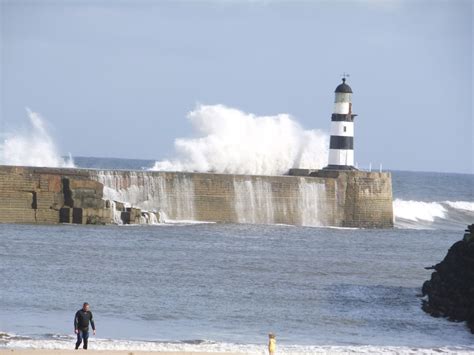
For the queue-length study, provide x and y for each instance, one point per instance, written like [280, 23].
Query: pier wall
[312, 198]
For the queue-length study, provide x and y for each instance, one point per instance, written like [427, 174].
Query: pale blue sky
[117, 78]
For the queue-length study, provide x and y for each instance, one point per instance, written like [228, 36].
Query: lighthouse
[341, 144]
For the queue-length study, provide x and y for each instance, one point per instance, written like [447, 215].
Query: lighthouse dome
[343, 88]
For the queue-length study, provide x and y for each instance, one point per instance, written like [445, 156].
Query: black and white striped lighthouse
[341, 145]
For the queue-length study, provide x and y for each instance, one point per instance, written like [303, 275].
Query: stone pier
[305, 197]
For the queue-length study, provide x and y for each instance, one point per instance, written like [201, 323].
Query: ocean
[224, 287]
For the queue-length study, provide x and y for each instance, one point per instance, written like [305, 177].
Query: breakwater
[312, 198]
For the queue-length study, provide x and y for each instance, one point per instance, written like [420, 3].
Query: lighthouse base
[340, 167]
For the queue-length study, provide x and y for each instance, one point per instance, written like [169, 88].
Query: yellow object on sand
[272, 345]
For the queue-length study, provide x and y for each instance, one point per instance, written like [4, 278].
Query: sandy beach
[102, 352]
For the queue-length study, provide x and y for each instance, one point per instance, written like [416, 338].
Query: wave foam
[418, 210]
[64, 342]
[34, 147]
[432, 215]
[228, 140]
[461, 205]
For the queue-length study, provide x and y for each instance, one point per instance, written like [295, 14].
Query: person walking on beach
[81, 325]
[271, 344]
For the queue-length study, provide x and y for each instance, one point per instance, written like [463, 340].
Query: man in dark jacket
[81, 325]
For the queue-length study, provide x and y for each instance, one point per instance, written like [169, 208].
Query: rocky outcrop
[450, 292]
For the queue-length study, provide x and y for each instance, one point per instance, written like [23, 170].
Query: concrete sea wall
[317, 198]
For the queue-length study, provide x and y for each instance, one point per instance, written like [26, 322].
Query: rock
[450, 291]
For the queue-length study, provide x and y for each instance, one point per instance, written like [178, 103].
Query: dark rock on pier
[450, 291]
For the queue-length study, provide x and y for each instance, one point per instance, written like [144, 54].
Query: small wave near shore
[65, 342]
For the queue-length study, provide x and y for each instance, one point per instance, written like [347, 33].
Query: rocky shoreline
[450, 291]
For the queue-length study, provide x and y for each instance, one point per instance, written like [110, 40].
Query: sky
[118, 78]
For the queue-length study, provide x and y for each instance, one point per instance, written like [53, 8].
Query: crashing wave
[432, 215]
[228, 140]
[32, 147]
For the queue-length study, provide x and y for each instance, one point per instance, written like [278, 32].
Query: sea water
[223, 287]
